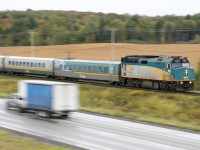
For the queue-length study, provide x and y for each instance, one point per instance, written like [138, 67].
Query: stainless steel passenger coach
[28, 65]
[87, 69]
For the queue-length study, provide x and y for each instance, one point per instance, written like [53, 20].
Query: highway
[99, 132]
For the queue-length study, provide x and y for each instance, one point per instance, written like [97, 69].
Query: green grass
[168, 109]
[177, 110]
[11, 141]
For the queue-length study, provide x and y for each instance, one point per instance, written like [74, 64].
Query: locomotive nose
[186, 72]
[183, 74]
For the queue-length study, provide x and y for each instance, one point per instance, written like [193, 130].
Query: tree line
[70, 27]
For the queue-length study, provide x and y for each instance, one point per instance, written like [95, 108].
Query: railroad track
[100, 83]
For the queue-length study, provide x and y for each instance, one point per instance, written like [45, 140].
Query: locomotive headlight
[190, 82]
[181, 82]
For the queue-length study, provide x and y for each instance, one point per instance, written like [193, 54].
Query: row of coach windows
[26, 64]
[98, 69]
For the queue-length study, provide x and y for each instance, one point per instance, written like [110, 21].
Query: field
[12, 141]
[104, 51]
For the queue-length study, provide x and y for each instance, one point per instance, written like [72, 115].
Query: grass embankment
[169, 109]
[10, 141]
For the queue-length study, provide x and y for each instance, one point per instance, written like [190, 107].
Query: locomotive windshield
[178, 62]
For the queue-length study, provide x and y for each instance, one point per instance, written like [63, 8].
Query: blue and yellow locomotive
[166, 73]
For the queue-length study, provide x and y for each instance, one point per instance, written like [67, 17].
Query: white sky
[141, 7]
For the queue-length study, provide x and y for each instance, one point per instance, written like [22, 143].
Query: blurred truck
[45, 98]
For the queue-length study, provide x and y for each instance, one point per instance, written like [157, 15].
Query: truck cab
[16, 101]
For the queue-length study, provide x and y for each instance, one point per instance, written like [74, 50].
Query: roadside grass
[8, 86]
[175, 109]
[11, 141]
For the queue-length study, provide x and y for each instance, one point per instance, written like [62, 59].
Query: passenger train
[143, 71]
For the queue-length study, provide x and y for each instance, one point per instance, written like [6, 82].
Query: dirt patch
[104, 51]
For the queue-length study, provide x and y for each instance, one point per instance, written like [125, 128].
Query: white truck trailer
[46, 98]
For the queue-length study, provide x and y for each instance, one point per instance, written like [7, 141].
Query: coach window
[39, 65]
[60, 67]
[43, 65]
[31, 65]
[85, 68]
[94, 68]
[13, 63]
[105, 69]
[9, 63]
[65, 67]
[89, 68]
[70, 67]
[16, 63]
[20, 63]
[27, 64]
[100, 69]
[35, 64]
[74, 67]
[80, 68]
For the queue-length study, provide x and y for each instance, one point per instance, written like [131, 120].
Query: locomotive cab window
[176, 65]
[185, 62]
[144, 62]
[168, 66]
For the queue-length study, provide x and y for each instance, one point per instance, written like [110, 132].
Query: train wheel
[123, 81]
[129, 82]
[166, 87]
[172, 87]
[137, 83]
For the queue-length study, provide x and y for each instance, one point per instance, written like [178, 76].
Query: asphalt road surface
[99, 132]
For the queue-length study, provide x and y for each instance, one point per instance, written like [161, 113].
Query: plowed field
[106, 51]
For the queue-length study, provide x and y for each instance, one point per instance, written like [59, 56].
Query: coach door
[110, 73]
[113, 72]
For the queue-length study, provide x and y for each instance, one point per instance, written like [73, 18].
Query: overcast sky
[141, 7]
